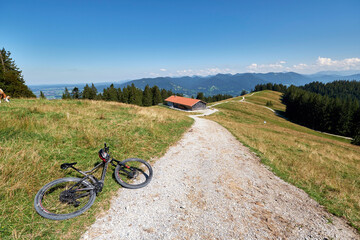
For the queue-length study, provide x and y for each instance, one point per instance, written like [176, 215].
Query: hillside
[326, 167]
[37, 136]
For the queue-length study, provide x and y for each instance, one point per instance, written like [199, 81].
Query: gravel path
[209, 186]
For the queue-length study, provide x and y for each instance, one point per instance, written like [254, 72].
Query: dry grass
[38, 135]
[326, 167]
[262, 97]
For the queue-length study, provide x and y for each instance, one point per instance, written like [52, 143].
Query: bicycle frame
[98, 184]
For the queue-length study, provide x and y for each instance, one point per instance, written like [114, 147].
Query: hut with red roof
[185, 103]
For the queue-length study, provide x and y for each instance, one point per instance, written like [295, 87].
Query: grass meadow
[326, 167]
[37, 136]
[260, 98]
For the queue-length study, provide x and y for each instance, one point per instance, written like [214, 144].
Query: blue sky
[100, 41]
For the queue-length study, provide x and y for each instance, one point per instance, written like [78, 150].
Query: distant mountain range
[231, 84]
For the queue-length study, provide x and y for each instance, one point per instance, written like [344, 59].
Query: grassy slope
[38, 135]
[261, 98]
[326, 167]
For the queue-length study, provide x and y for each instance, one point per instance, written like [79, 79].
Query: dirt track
[209, 186]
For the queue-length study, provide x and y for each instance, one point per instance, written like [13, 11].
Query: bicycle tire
[50, 195]
[143, 169]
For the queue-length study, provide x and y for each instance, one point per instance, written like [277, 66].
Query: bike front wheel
[64, 198]
[133, 173]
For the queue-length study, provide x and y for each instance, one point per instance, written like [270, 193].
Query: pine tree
[86, 93]
[164, 94]
[93, 91]
[132, 94]
[125, 95]
[147, 96]
[113, 94]
[200, 96]
[75, 94]
[139, 97]
[11, 80]
[135, 95]
[156, 95]
[99, 97]
[42, 96]
[66, 94]
[119, 94]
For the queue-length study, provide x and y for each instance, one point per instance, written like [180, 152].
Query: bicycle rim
[133, 173]
[54, 201]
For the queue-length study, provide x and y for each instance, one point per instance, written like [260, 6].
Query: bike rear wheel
[133, 173]
[59, 200]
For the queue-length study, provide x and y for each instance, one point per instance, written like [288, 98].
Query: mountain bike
[69, 197]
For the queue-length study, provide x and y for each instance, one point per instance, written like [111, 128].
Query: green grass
[326, 167]
[37, 136]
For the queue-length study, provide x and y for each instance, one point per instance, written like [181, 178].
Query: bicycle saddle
[67, 165]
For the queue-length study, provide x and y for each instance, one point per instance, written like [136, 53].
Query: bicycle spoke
[134, 174]
[60, 200]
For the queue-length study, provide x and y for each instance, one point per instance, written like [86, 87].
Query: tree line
[270, 86]
[11, 79]
[324, 112]
[132, 95]
[214, 98]
[342, 89]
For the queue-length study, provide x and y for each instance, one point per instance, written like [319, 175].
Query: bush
[269, 104]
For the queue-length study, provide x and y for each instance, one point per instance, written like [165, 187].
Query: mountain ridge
[232, 84]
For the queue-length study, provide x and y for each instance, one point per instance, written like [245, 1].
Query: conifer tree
[89, 92]
[200, 96]
[99, 97]
[93, 91]
[42, 96]
[156, 95]
[66, 94]
[147, 96]
[125, 95]
[86, 93]
[110, 94]
[135, 95]
[11, 80]
[119, 94]
[75, 94]
[164, 94]
[132, 94]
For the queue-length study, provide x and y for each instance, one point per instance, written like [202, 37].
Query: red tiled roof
[182, 100]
